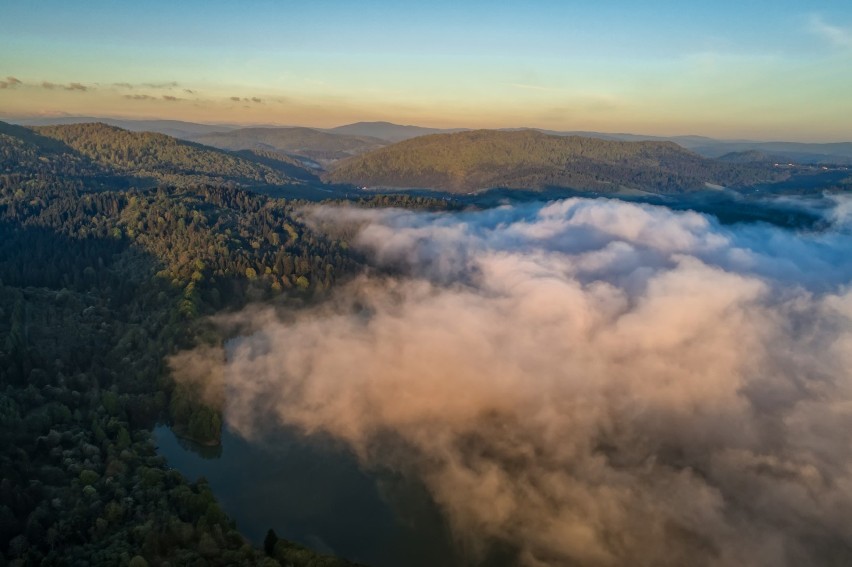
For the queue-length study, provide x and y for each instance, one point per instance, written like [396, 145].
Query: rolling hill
[482, 159]
[837, 153]
[147, 155]
[28, 158]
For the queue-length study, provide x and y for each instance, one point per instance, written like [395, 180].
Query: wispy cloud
[76, 87]
[253, 99]
[165, 85]
[10, 83]
[160, 85]
[836, 35]
[167, 98]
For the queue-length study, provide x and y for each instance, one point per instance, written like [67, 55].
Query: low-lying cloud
[591, 381]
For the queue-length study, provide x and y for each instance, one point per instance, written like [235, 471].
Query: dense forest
[529, 159]
[98, 286]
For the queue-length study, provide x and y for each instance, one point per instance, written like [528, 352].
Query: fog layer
[594, 382]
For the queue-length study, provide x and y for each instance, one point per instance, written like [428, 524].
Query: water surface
[313, 491]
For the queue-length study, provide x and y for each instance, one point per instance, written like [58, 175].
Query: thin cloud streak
[836, 35]
[165, 85]
[13, 82]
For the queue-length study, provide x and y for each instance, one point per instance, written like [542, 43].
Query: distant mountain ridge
[316, 145]
[389, 131]
[800, 152]
[753, 156]
[484, 159]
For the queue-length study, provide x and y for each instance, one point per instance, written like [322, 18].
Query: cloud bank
[591, 381]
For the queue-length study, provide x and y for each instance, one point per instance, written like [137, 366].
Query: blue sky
[729, 69]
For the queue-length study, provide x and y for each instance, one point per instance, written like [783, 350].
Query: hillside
[483, 159]
[316, 145]
[28, 159]
[162, 158]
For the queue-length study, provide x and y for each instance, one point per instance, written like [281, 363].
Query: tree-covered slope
[307, 142]
[96, 290]
[28, 159]
[163, 158]
[483, 159]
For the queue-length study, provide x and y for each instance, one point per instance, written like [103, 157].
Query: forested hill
[96, 289]
[158, 157]
[28, 157]
[483, 159]
[316, 145]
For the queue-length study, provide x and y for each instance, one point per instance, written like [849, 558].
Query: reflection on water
[313, 492]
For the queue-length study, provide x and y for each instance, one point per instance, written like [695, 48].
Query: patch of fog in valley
[586, 381]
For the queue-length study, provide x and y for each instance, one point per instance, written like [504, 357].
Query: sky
[745, 69]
